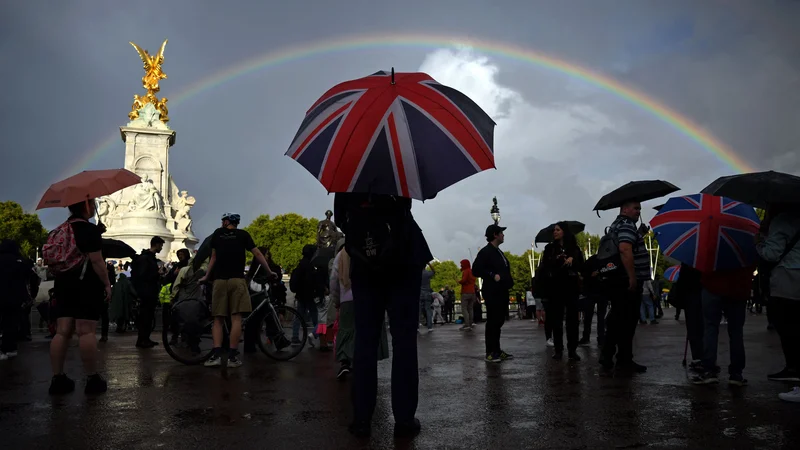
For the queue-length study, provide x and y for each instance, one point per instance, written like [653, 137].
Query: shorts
[79, 299]
[230, 297]
[539, 304]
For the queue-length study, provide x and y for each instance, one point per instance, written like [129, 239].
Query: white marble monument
[155, 207]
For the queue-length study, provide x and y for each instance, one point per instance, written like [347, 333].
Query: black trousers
[24, 317]
[561, 307]
[477, 312]
[621, 322]
[695, 324]
[588, 314]
[784, 313]
[104, 320]
[147, 315]
[548, 325]
[374, 295]
[9, 322]
[496, 313]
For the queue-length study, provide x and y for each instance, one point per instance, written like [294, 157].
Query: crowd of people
[382, 268]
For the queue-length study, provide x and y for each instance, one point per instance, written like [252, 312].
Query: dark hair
[568, 239]
[156, 241]
[184, 251]
[78, 209]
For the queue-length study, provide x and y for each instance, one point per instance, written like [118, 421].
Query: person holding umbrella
[82, 291]
[562, 262]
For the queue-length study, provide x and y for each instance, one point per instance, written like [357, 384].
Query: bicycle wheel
[274, 332]
[189, 349]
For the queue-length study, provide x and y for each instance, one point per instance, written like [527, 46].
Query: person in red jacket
[467, 295]
[724, 292]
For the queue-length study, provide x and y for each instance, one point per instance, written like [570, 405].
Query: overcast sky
[68, 76]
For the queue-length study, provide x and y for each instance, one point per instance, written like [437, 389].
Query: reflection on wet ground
[530, 402]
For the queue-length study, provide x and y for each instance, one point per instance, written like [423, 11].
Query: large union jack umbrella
[672, 273]
[707, 232]
[401, 134]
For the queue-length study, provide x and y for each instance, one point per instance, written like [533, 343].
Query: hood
[309, 250]
[8, 246]
[465, 264]
[339, 245]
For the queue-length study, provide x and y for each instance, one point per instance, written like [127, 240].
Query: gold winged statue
[152, 75]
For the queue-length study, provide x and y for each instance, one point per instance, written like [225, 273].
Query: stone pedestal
[155, 207]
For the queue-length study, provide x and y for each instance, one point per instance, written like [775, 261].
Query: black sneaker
[632, 366]
[607, 364]
[558, 356]
[296, 341]
[147, 344]
[407, 430]
[61, 384]
[574, 356]
[785, 375]
[95, 384]
[653, 322]
[103, 338]
[506, 356]
[737, 380]
[705, 378]
[343, 372]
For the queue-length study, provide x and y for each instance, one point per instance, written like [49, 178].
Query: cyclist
[230, 294]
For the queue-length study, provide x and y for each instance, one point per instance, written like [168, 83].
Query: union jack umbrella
[402, 134]
[707, 232]
[672, 273]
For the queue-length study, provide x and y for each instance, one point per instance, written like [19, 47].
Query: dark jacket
[490, 262]
[688, 287]
[14, 275]
[305, 281]
[145, 276]
[591, 285]
[415, 252]
[559, 279]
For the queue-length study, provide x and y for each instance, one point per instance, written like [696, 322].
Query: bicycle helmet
[231, 217]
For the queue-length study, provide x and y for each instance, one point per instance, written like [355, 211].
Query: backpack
[376, 238]
[61, 253]
[611, 270]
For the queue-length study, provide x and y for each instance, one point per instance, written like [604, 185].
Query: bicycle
[271, 319]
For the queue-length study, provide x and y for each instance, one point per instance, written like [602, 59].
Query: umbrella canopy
[545, 235]
[400, 134]
[87, 185]
[635, 191]
[112, 248]
[672, 273]
[757, 189]
[708, 233]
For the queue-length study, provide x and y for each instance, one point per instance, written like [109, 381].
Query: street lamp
[495, 211]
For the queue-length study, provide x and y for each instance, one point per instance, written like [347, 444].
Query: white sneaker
[550, 343]
[791, 396]
[3, 357]
[214, 361]
[234, 362]
[311, 339]
[11, 354]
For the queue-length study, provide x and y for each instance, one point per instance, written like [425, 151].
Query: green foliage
[520, 271]
[447, 273]
[585, 239]
[285, 236]
[26, 229]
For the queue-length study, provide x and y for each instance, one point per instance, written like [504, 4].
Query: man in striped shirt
[626, 301]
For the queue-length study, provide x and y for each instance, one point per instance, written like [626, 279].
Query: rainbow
[429, 41]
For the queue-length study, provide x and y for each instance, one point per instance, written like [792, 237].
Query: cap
[493, 229]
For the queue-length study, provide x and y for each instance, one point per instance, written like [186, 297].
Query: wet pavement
[530, 402]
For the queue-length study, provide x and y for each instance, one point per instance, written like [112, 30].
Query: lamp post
[495, 211]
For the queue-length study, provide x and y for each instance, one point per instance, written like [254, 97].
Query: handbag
[765, 268]
[255, 286]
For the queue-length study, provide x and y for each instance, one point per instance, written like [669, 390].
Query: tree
[447, 274]
[586, 241]
[24, 228]
[520, 271]
[285, 236]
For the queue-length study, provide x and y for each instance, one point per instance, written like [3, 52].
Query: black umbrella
[113, 248]
[757, 189]
[635, 191]
[545, 236]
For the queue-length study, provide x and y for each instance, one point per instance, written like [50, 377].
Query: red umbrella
[87, 185]
[401, 134]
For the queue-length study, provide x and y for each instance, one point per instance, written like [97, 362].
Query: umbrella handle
[392, 75]
[598, 214]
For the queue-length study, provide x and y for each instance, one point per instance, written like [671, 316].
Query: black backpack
[377, 235]
[611, 270]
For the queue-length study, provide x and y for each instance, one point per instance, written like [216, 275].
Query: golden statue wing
[160, 57]
[143, 54]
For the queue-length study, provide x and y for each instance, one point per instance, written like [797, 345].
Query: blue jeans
[647, 305]
[425, 300]
[307, 310]
[713, 307]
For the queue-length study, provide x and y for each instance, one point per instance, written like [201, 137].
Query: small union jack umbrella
[402, 134]
[707, 232]
[672, 273]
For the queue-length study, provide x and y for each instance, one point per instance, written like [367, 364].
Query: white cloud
[537, 149]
